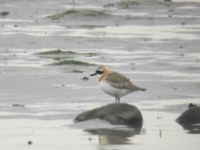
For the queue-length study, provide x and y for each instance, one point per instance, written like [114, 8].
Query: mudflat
[48, 49]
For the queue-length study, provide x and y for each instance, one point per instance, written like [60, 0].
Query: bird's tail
[136, 88]
[142, 89]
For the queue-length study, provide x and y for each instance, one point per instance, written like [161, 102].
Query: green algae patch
[72, 62]
[62, 57]
[80, 12]
[127, 4]
[56, 52]
[123, 4]
[65, 53]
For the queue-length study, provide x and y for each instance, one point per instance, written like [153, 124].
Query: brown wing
[119, 81]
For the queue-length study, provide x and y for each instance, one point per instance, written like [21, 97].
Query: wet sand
[44, 59]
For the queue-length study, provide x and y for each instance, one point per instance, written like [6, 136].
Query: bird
[114, 83]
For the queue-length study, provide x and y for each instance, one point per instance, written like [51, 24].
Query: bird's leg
[116, 99]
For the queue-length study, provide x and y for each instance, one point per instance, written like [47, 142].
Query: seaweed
[56, 52]
[72, 62]
[81, 12]
[127, 4]
[66, 57]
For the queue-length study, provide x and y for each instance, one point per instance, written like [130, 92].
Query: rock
[85, 78]
[190, 119]
[191, 115]
[117, 114]
[30, 142]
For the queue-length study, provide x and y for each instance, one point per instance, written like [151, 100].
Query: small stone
[85, 78]
[183, 23]
[4, 13]
[30, 142]
[181, 47]
[18, 105]
[159, 117]
[77, 71]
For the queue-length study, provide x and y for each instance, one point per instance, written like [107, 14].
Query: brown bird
[114, 83]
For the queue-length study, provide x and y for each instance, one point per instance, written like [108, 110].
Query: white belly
[113, 91]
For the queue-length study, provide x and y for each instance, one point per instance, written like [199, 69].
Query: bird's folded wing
[119, 81]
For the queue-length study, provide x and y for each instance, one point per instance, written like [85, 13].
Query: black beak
[97, 72]
[93, 74]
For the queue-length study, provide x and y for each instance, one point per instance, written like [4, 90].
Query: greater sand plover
[114, 83]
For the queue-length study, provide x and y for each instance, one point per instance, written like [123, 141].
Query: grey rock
[117, 114]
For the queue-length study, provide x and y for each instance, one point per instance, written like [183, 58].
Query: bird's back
[119, 81]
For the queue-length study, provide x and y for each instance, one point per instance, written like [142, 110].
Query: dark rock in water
[117, 114]
[190, 118]
[191, 115]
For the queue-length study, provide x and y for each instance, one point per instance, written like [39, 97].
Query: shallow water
[156, 48]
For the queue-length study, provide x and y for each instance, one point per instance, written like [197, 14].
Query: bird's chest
[106, 87]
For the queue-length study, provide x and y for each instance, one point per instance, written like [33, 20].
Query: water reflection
[191, 128]
[115, 136]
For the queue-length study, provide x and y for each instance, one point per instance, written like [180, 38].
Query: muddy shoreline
[49, 48]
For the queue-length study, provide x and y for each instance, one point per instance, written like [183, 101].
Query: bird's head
[100, 70]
